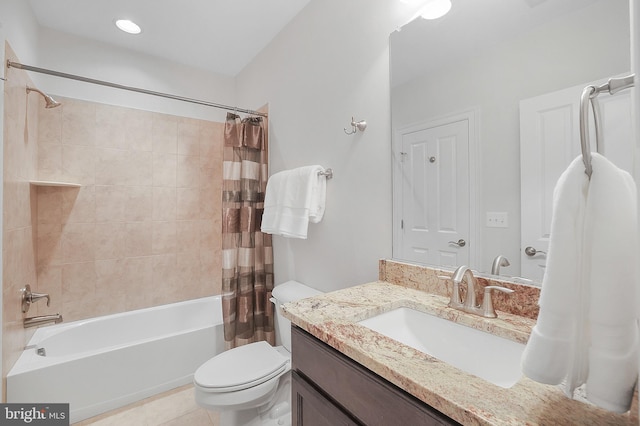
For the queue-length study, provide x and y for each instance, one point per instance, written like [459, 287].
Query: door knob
[530, 251]
[459, 243]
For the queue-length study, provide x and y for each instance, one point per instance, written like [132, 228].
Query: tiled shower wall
[143, 229]
[19, 207]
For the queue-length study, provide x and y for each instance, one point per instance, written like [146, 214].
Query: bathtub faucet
[29, 297]
[41, 320]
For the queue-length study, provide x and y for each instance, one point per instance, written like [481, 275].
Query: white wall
[87, 58]
[331, 63]
[562, 53]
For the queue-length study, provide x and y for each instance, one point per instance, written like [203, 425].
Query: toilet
[251, 385]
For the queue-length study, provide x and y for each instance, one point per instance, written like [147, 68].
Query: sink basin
[490, 357]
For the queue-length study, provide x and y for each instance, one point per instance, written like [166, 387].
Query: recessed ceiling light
[128, 26]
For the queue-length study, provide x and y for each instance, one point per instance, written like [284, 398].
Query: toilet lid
[241, 368]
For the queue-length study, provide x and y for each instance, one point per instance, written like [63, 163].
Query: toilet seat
[241, 368]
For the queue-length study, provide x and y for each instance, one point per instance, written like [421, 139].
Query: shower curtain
[247, 255]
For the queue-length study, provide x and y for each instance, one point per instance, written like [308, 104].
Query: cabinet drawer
[366, 396]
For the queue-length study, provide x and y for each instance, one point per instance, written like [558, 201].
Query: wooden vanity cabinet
[330, 389]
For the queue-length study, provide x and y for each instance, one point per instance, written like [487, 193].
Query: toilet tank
[289, 291]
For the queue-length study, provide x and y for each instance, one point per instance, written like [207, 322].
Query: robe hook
[355, 126]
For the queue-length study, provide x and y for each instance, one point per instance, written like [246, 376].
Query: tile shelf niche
[54, 183]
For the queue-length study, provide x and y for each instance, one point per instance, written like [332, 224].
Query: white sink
[490, 357]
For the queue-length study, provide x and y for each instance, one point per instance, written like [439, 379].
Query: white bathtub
[103, 363]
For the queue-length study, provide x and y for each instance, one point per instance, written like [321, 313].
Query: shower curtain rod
[11, 64]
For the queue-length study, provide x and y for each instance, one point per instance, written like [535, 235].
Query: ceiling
[221, 36]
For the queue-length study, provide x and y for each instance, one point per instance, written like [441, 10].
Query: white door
[549, 141]
[434, 173]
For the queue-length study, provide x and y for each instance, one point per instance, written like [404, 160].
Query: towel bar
[328, 173]
[589, 95]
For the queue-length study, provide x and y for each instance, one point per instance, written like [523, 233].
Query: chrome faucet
[499, 261]
[462, 274]
[44, 319]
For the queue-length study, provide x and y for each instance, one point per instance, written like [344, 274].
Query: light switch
[497, 219]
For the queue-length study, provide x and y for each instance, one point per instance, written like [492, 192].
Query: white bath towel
[293, 199]
[586, 330]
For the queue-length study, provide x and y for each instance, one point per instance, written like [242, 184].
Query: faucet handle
[29, 297]
[455, 301]
[37, 296]
[487, 303]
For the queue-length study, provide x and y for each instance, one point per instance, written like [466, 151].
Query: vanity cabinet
[329, 389]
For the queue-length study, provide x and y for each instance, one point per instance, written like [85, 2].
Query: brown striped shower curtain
[247, 255]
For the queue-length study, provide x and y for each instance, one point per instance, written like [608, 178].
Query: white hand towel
[293, 199]
[611, 224]
[586, 330]
[547, 356]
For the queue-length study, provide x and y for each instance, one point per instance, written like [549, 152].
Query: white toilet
[251, 384]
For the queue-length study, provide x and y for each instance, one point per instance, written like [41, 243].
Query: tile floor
[174, 408]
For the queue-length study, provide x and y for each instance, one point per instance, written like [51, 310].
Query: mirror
[478, 62]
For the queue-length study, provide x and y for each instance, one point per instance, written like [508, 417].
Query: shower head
[49, 101]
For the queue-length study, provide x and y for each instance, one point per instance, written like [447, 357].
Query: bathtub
[103, 363]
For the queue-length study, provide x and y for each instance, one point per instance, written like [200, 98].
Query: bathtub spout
[44, 319]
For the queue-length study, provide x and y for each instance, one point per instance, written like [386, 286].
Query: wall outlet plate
[497, 219]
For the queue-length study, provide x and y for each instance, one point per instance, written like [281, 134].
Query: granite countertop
[333, 317]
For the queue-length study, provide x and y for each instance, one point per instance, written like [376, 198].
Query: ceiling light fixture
[128, 26]
[435, 9]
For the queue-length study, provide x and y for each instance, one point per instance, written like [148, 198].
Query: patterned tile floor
[174, 408]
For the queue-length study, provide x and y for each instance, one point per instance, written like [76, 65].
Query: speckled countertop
[333, 318]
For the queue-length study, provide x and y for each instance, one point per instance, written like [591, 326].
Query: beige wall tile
[188, 171]
[78, 242]
[109, 166]
[188, 136]
[78, 164]
[164, 204]
[49, 205]
[209, 235]
[164, 169]
[78, 122]
[139, 168]
[110, 133]
[49, 244]
[139, 204]
[188, 204]
[111, 203]
[210, 203]
[187, 235]
[110, 238]
[164, 278]
[49, 126]
[164, 133]
[78, 290]
[164, 237]
[49, 282]
[78, 204]
[138, 130]
[138, 239]
[50, 162]
[133, 235]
